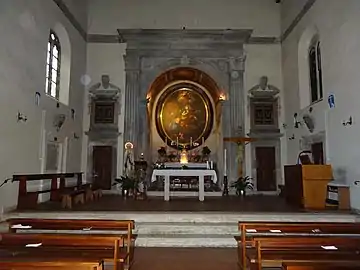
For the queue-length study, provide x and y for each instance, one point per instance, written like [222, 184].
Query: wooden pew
[48, 263]
[29, 200]
[274, 250]
[64, 247]
[250, 229]
[321, 266]
[124, 227]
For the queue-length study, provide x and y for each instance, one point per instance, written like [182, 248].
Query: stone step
[185, 229]
[185, 242]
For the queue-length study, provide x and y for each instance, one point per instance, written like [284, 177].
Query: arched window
[52, 85]
[316, 87]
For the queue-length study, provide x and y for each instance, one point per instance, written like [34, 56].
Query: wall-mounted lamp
[222, 97]
[311, 109]
[348, 122]
[76, 137]
[21, 117]
[292, 137]
[297, 123]
[284, 125]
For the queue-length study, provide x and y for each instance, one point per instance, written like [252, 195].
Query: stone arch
[306, 39]
[65, 68]
[170, 77]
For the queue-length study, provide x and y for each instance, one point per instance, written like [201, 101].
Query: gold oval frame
[166, 94]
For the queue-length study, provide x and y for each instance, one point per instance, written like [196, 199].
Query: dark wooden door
[317, 150]
[102, 166]
[265, 169]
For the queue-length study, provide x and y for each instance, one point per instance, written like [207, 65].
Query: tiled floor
[185, 259]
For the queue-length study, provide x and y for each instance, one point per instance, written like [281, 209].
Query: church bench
[250, 229]
[71, 198]
[107, 248]
[321, 265]
[274, 250]
[29, 200]
[19, 262]
[124, 227]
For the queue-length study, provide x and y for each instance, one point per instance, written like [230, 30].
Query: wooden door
[317, 150]
[265, 169]
[102, 166]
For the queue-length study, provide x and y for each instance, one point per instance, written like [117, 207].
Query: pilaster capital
[132, 62]
[236, 63]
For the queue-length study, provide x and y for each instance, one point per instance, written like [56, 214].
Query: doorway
[102, 166]
[317, 150]
[265, 168]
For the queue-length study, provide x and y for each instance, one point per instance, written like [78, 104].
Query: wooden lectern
[306, 185]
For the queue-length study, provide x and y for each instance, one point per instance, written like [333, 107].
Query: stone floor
[185, 259]
[234, 204]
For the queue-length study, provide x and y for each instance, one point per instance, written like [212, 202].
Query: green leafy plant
[126, 183]
[242, 184]
[205, 151]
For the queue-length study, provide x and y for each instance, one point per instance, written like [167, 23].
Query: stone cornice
[159, 35]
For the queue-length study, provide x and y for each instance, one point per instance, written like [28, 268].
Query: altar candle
[203, 141]
[225, 173]
[177, 142]
[191, 142]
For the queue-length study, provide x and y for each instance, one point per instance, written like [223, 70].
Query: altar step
[184, 194]
[188, 229]
[186, 234]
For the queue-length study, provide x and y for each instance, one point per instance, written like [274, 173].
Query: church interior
[203, 134]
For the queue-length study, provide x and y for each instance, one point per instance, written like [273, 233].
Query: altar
[199, 173]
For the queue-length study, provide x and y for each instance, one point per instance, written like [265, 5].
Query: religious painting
[184, 115]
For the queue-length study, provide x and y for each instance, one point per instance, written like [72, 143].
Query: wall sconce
[311, 109]
[297, 123]
[76, 137]
[222, 97]
[348, 122]
[284, 125]
[292, 137]
[21, 117]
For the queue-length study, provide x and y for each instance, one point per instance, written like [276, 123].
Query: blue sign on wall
[331, 101]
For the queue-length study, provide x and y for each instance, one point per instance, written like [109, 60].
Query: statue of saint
[264, 87]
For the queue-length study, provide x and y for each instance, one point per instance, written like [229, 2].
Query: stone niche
[218, 53]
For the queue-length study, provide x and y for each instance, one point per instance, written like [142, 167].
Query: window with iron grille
[52, 84]
[316, 87]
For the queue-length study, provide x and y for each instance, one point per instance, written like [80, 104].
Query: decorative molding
[297, 19]
[71, 18]
[99, 38]
[263, 40]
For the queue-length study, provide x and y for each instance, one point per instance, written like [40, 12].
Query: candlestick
[225, 172]
[191, 142]
[203, 141]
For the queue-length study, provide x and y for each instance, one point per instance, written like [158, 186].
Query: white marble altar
[166, 173]
[177, 165]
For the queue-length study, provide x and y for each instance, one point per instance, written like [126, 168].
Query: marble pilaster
[132, 90]
[234, 110]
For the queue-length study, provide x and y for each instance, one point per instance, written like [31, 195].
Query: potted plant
[205, 153]
[242, 184]
[128, 185]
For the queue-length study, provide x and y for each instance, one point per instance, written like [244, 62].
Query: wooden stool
[79, 198]
[97, 193]
[89, 195]
[66, 201]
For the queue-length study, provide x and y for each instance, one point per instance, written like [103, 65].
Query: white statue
[264, 88]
